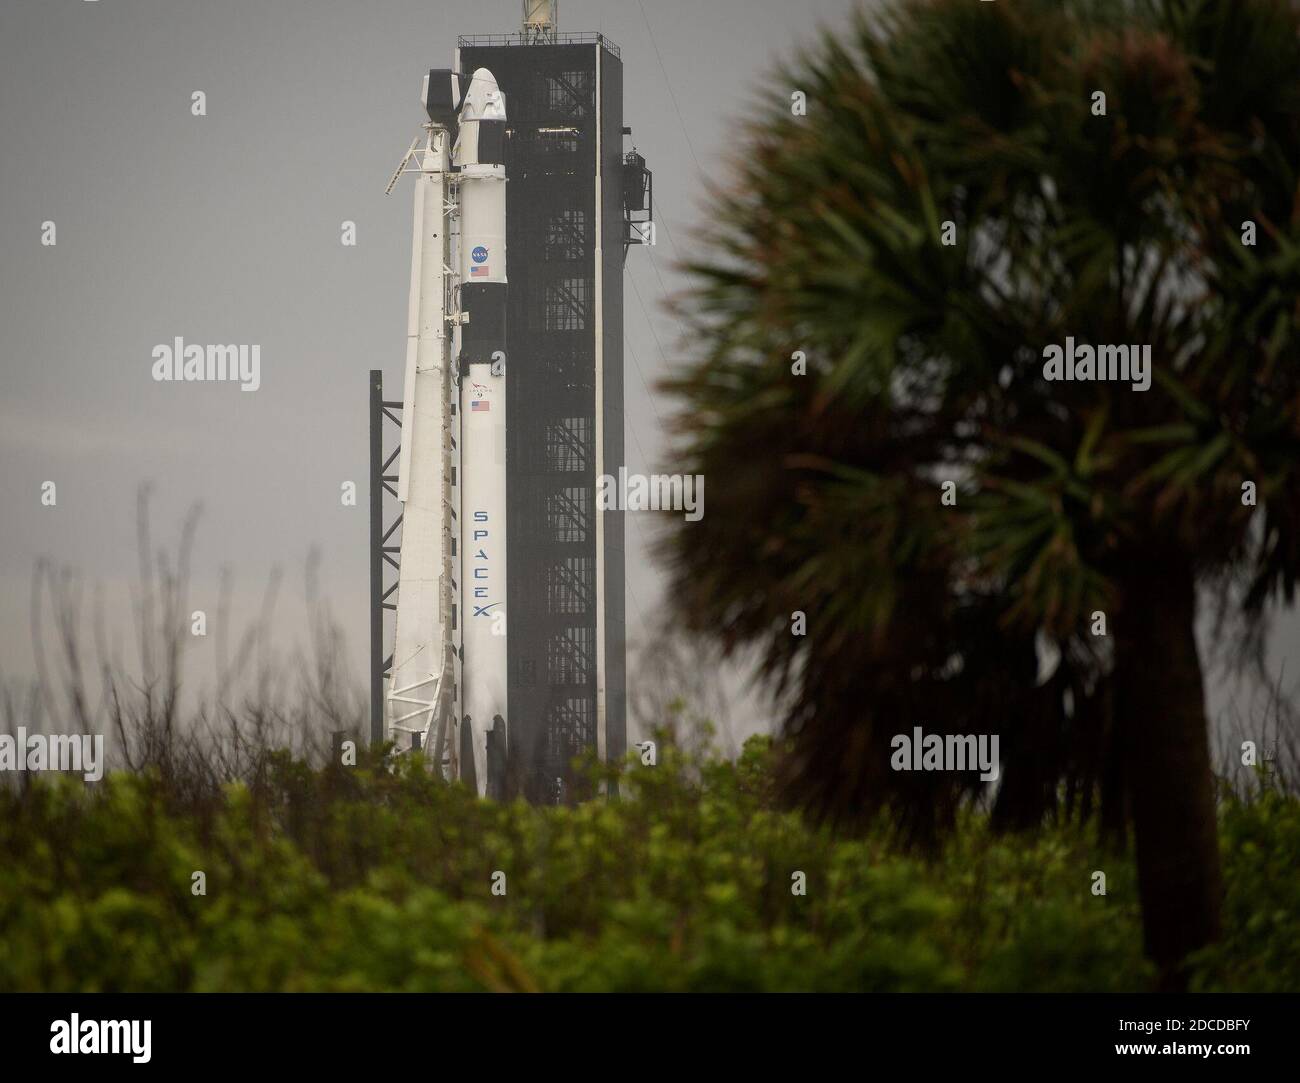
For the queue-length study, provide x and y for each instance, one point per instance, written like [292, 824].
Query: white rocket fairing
[419, 705]
[478, 154]
[453, 551]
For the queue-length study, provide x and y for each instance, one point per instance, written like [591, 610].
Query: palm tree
[972, 184]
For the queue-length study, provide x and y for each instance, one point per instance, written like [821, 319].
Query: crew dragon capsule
[447, 690]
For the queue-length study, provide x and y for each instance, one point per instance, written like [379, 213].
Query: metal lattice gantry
[384, 550]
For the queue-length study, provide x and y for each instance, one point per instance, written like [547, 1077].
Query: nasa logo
[480, 254]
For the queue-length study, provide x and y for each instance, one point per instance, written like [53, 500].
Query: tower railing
[585, 37]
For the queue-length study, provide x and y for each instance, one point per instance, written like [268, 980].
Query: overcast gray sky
[226, 228]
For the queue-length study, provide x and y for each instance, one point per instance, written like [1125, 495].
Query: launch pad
[575, 201]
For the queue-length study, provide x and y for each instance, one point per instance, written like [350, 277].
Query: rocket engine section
[480, 340]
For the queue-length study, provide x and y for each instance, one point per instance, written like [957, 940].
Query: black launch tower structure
[573, 204]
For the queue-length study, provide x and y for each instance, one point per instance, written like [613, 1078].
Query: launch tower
[576, 200]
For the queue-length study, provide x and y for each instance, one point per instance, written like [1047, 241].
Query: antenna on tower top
[540, 17]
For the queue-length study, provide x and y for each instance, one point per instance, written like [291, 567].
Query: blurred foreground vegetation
[364, 879]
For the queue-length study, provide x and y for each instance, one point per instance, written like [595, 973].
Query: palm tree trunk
[1167, 764]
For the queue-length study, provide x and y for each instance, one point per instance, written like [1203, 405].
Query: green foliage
[925, 364]
[360, 879]
[1261, 945]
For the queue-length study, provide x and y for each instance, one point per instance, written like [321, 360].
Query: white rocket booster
[480, 339]
[455, 354]
[419, 705]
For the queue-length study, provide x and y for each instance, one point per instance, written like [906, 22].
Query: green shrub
[361, 879]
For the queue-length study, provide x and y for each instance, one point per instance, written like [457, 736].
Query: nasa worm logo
[480, 254]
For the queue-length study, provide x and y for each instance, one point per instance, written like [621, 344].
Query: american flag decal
[480, 405]
[479, 272]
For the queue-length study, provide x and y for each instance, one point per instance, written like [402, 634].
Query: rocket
[419, 705]
[447, 691]
[482, 362]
